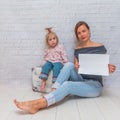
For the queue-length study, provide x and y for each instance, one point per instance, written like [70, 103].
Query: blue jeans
[70, 82]
[47, 67]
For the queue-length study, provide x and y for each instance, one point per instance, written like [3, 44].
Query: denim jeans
[47, 67]
[70, 82]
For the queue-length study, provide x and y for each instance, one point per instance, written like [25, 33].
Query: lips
[83, 38]
[53, 44]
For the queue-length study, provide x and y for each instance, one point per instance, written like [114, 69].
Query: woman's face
[52, 40]
[83, 33]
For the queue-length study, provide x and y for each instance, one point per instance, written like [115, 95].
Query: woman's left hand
[112, 68]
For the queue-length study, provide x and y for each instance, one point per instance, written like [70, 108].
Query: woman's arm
[76, 63]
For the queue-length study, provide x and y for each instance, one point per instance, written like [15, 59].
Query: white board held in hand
[94, 64]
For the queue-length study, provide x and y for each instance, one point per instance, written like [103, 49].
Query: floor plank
[89, 110]
[68, 110]
[105, 107]
[108, 108]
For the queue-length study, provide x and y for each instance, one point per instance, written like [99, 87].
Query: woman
[69, 81]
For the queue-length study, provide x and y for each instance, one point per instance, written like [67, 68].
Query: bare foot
[31, 106]
[53, 89]
[42, 87]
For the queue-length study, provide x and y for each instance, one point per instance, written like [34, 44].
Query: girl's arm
[64, 54]
[44, 58]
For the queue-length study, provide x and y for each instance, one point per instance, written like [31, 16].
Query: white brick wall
[22, 34]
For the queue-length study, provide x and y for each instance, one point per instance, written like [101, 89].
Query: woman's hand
[76, 64]
[112, 68]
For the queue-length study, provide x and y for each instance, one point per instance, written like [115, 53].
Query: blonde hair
[49, 32]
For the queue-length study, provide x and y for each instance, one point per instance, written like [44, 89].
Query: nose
[52, 40]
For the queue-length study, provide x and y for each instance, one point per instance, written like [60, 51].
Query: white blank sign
[95, 64]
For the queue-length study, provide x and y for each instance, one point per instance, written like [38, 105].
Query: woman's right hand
[76, 64]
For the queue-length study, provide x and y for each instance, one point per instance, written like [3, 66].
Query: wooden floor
[106, 107]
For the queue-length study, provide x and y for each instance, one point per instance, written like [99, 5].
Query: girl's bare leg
[42, 87]
[32, 106]
[53, 89]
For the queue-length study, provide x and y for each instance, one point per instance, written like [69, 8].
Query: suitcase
[36, 81]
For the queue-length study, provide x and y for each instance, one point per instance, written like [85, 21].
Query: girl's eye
[50, 39]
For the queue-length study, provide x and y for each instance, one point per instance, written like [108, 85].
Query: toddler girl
[54, 58]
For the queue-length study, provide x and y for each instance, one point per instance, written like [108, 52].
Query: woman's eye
[78, 33]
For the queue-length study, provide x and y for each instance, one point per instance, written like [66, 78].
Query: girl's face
[52, 40]
[83, 33]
